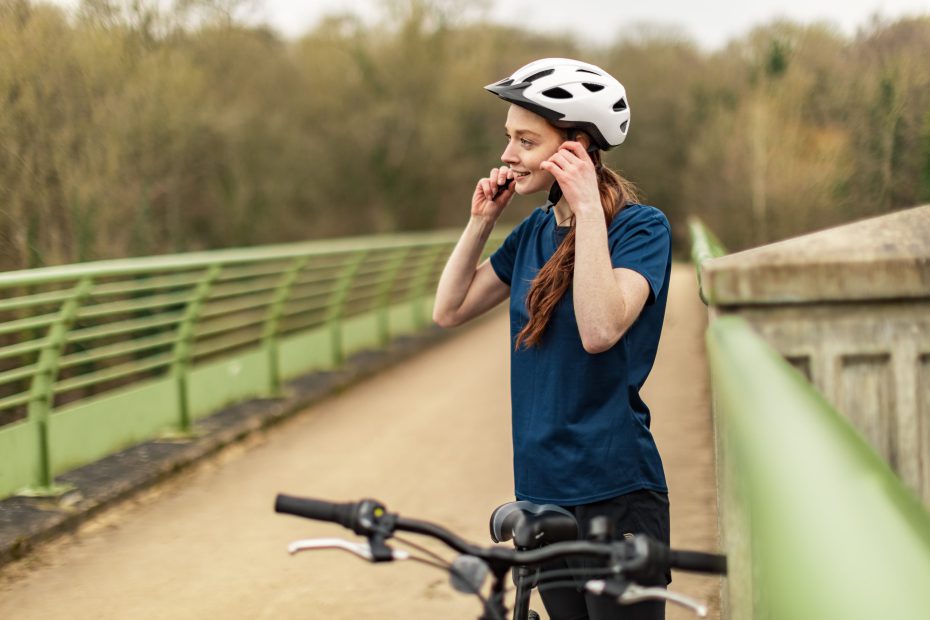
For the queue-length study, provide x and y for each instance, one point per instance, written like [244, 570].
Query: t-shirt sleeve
[504, 257]
[645, 248]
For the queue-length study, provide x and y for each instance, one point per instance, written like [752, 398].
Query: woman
[587, 278]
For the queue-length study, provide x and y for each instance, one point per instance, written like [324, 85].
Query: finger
[487, 188]
[578, 150]
[553, 160]
[504, 196]
[504, 174]
[573, 152]
[562, 160]
[553, 169]
[574, 147]
[499, 190]
[493, 175]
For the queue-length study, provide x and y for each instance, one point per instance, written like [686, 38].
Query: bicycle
[624, 561]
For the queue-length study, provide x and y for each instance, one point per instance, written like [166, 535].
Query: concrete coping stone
[881, 258]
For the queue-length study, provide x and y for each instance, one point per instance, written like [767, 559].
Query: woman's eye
[523, 142]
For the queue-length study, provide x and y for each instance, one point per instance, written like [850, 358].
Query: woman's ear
[584, 139]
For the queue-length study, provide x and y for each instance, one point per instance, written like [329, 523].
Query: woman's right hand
[483, 204]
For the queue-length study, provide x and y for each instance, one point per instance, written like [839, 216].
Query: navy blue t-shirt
[580, 429]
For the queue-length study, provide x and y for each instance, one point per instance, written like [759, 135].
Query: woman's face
[531, 140]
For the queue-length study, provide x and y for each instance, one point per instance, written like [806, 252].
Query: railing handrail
[834, 532]
[193, 260]
[704, 246]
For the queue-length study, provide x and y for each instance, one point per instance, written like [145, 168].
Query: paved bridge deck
[430, 438]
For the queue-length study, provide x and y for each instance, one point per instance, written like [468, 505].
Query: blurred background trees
[128, 128]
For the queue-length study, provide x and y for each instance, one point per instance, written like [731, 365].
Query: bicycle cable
[580, 572]
[422, 549]
[442, 564]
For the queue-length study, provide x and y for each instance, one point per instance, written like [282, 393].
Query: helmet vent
[587, 71]
[536, 76]
[620, 105]
[557, 93]
[594, 87]
[623, 126]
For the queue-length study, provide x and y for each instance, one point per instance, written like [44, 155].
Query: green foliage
[777, 60]
[129, 128]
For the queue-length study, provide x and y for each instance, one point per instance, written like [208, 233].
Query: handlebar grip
[698, 562]
[319, 510]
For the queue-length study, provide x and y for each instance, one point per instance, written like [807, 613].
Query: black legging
[639, 512]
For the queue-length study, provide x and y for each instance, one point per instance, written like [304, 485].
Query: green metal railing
[832, 532]
[704, 246]
[99, 356]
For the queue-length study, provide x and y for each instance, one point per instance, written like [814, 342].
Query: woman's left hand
[573, 169]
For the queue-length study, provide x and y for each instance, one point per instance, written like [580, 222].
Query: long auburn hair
[553, 280]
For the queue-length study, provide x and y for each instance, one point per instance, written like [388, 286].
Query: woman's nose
[509, 156]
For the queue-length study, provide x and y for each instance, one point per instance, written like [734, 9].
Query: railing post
[384, 294]
[272, 323]
[422, 280]
[180, 367]
[43, 381]
[337, 305]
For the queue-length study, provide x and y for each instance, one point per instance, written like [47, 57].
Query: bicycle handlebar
[344, 514]
[363, 518]
[698, 562]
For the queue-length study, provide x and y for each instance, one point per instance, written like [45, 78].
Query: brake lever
[362, 550]
[633, 593]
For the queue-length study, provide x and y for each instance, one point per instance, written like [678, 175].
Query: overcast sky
[711, 22]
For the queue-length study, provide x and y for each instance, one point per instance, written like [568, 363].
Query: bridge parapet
[849, 307]
[813, 519]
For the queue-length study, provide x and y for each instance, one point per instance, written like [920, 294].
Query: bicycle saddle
[532, 525]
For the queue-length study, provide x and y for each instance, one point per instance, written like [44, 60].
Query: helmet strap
[555, 195]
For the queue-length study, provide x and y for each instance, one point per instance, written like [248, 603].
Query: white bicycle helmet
[570, 94]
